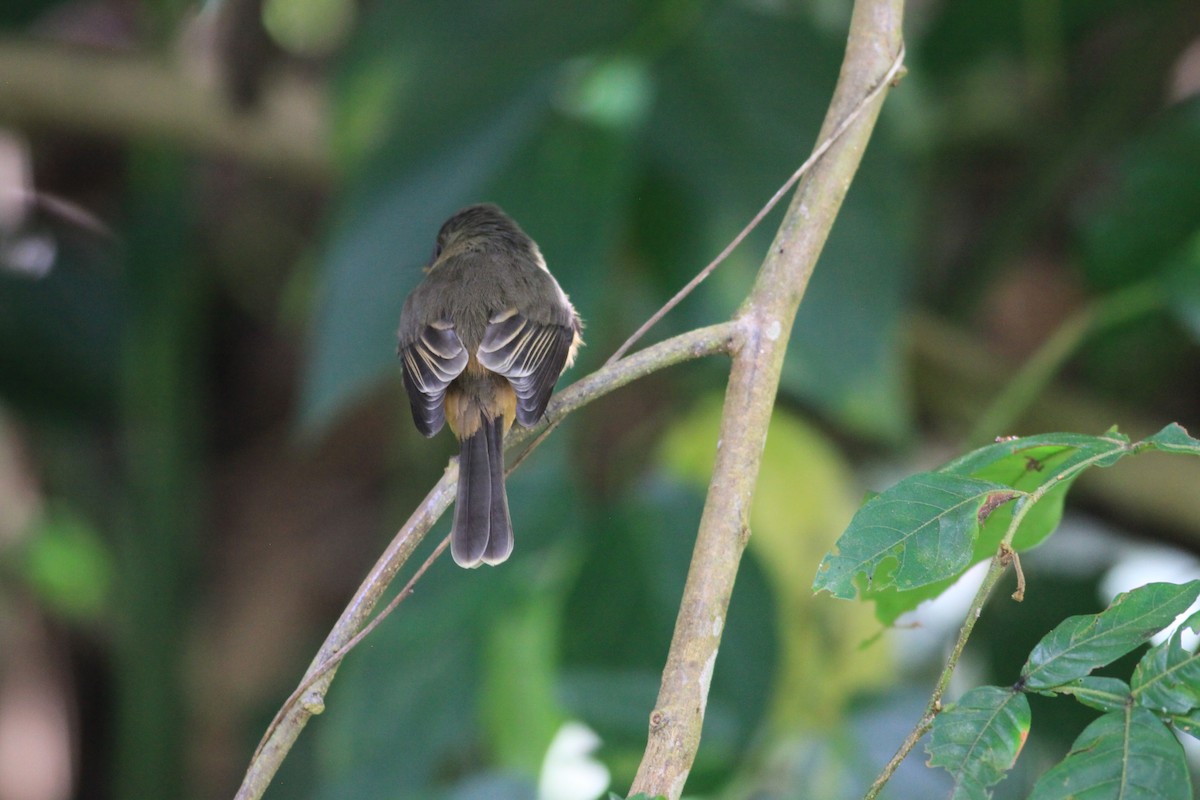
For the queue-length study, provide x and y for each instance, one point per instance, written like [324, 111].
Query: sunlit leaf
[1124, 755]
[1028, 462]
[518, 703]
[1082, 643]
[919, 531]
[977, 740]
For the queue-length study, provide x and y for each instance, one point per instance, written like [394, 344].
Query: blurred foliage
[573, 122]
[207, 404]
[69, 565]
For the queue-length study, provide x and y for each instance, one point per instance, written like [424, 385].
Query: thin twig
[351, 625]
[935, 701]
[344, 651]
[888, 79]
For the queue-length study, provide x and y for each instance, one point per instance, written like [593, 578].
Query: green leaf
[1082, 643]
[1103, 694]
[917, 532]
[1174, 439]
[374, 256]
[67, 563]
[1124, 755]
[1189, 723]
[1181, 285]
[518, 703]
[1167, 679]
[729, 139]
[1028, 462]
[977, 740]
[419, 136]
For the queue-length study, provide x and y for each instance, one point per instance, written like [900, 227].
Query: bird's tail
[482, 529]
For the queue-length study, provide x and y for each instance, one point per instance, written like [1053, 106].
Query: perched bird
[483, 339]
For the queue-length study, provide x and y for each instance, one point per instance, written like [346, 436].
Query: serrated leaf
[917, 532]
[1103, 694]
[1124, 755]
[1167, 679]
[1175, 439]
[977, 740]
[1082, 643]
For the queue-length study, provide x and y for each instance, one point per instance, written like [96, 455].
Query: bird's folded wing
[431, 362]
[530, 354]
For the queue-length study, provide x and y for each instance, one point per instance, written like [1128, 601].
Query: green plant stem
[874, 54]
[156, 537]
[310, 698]
[1004, 556]
[995, 571]
[1040, 370]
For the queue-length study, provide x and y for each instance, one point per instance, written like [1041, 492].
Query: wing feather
[531, 355]
[431, 362]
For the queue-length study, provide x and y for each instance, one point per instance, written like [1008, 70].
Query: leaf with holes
[919, 531]
[977, 740]
[1080, 644]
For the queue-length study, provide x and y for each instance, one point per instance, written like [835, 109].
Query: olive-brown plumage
[483, 339]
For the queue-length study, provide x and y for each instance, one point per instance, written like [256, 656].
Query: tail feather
[500, 538]
[482, 530]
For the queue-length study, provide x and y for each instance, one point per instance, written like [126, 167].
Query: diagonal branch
[295, 714]
[874, 55]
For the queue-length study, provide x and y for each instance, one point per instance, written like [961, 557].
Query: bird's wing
[530, 354]
[431, 361]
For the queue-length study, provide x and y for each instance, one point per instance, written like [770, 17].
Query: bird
[483, 339]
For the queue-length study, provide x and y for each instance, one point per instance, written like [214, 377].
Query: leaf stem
[1005, 555]
[995, 571]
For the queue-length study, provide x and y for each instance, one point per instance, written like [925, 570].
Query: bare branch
[764, 322]
[315, 684]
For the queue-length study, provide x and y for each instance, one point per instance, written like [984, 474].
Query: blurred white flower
[569, 771]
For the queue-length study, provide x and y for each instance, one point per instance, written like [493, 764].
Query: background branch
[132, 96]
[764, 324]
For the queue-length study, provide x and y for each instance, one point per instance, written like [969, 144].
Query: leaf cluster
[909, 542]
